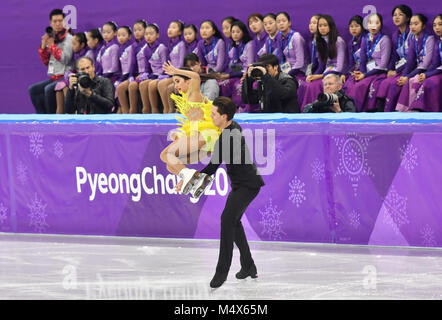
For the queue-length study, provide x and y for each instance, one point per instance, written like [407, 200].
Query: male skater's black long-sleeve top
[231, 148]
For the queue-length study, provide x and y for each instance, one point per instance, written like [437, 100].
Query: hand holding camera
[256, 71]
[81, 81]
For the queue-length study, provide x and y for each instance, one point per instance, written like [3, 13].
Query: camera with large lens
[328, 98]
[257, 74]
[323, 104]
[50, 31]
[84, 80]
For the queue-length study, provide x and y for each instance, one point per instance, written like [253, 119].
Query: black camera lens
[85, 80]
[49, 31]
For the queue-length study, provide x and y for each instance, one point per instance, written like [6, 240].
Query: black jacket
[101, 100]
[280, 93]
[240, 167]
[346, 103]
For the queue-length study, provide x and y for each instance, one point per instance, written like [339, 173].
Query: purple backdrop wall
[24, 22]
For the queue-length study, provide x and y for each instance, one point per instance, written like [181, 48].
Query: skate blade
[206, 185]
[190, 184]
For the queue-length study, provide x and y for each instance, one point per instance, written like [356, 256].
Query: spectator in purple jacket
[177, 52]
[130, 64]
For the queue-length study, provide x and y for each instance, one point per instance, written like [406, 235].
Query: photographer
[56, 53]
[276, 91]
[333, 99]
[88, 93]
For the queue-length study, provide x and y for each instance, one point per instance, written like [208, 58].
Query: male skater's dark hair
[225, 106]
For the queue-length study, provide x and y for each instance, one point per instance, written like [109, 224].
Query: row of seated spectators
[376, 71]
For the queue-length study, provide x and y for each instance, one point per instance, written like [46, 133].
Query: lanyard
[269, 46]
[213, 50]
[370, 51]
[237, 56]
[440, 51]
[423, 47]
[401, 44]
[355, 58]
[313, 50]
[288, 42]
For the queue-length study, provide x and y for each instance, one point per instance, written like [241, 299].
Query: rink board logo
[149, 182]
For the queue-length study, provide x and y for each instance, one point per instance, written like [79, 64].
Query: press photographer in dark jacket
[333, 99]
[88, 93]
[276, 91]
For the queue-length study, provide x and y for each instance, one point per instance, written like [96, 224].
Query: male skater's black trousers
[232, 230]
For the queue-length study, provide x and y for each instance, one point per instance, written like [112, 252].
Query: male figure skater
[245, 182]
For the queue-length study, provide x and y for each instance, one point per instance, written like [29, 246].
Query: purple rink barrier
[350, 179]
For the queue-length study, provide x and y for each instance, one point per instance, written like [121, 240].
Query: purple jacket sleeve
[341, 55]
[297, 52]
[111, 64]
[426, 60]
[435, 62]
[200, 52]
[220, 55]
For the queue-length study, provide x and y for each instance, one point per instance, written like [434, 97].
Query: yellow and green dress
[205, 126]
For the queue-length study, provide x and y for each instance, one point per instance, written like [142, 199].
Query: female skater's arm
[194, 93]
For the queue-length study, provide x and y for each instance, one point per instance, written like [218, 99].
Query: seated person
[276, 91]
[333, 99]
[89, 93]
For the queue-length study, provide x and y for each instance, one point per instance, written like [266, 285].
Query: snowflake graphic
[419, 93]
[278, 149]
[270, 220]
[355, 219]
[394, 210]
[353, 160]
[36, 144]
[297, 191]
[409, 157]
[428, 237]
[21, 170]
[58, 149]
[3, 213]
[37, 214]
[318, 170]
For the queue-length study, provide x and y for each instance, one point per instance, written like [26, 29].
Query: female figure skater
[197, 134]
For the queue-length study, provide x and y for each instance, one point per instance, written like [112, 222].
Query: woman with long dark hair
[240, 56]
[332, 57]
